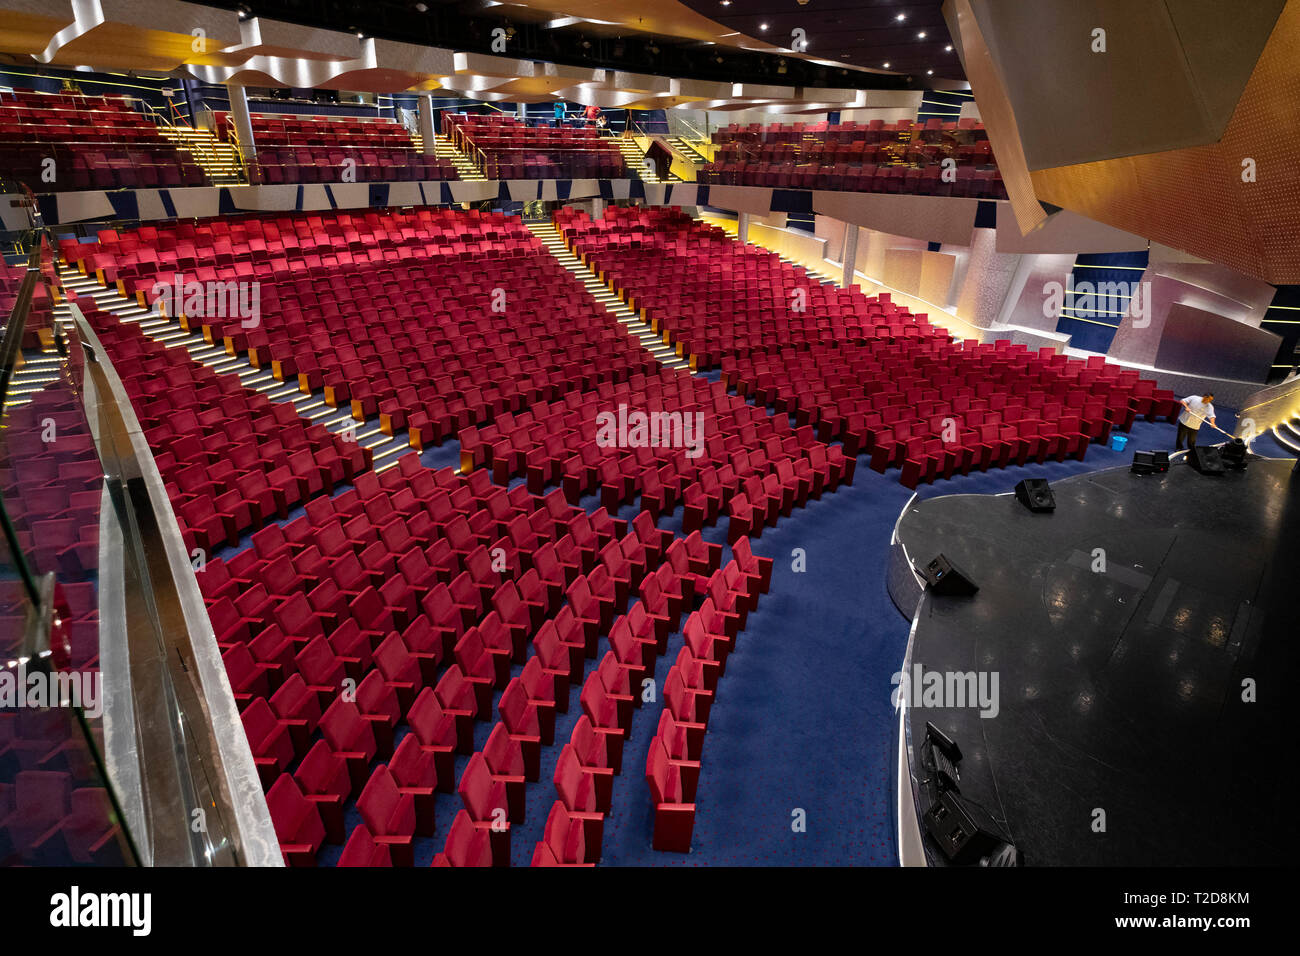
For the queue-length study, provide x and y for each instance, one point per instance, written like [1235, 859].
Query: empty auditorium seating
[848, 368]
[230, 458]
[505, 148]
[53, 494]
[673, 761]
[932, 158]
[293, 148]
[55, 142]
[391, 314]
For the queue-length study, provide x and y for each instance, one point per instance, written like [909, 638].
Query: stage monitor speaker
[941, 740]
[1150, 462]
[962, 828]
[1206, 459]
[1036, 494]
[944, 578]
[1234, 454]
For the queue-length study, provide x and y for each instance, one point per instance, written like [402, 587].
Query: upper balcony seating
[901, 157]
[322, 149]
[95, 142]
[505, 148]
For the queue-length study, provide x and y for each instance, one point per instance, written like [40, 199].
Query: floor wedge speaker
[945, 578]
[1036, 494]
[1206, 459]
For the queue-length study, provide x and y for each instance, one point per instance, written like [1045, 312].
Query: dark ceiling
[468, 25]
[863, 33]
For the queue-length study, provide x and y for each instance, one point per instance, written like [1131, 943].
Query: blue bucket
[1117, 442]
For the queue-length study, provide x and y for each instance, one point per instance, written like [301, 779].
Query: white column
[243, 122]
[742, 227]
[426, 124]
[597, 207]
[850, 254]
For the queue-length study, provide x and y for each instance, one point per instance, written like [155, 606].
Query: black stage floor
[1122, 690]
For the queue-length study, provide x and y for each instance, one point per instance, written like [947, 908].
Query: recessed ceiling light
[726, 3]
[762, 26]
[886, 66]
[929, 72]
[921, 35]
[948, 48]
[901, 17]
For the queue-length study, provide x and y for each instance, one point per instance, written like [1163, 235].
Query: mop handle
[1198, 418]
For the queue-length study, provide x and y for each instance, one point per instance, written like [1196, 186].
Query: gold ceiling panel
[123, 46]
[28, 34]
[1195, 199]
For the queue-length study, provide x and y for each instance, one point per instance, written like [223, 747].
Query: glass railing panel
[57, 806]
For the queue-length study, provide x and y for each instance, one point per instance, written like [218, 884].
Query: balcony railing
[120, 743]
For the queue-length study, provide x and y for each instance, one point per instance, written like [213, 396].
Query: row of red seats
[855, 153]
[964, 130]
[567, 163]
[611, 696]
[884, 383]
[673, 762]
[291, 129]
[447, 363]
[711, 296]
[388, 584]
[332, 164]
[509, 149]
[867, 177]
[94, 143]
[231, 459]
[93, 166]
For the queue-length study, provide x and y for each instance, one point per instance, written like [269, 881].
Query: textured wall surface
[1194, 199]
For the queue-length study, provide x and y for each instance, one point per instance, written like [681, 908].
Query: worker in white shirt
[1196, 409]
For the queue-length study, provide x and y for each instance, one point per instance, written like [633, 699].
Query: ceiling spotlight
[762, 26]
[886, 66]
[726, 3]
[948, 48]
[921, 35]
[929, 72]
[421, 8]
[901, 17]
